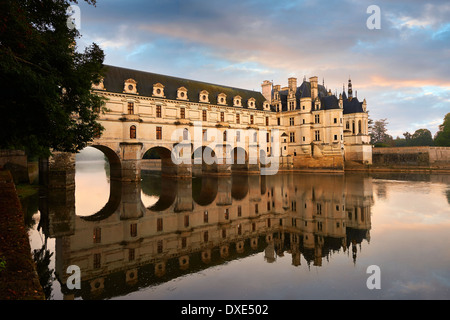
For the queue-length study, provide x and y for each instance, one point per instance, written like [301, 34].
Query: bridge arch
[239, 157]
[115, 164]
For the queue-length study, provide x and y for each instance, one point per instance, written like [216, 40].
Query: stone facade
[295, 127]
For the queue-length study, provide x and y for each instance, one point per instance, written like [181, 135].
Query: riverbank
[18, 276]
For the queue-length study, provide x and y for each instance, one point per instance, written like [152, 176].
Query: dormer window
[237, 101]
[130, 86]
[266, 105]
[251, 103]
[222, 99]
[98, 86]
[182, 93]
[158, 90]
[204, 96]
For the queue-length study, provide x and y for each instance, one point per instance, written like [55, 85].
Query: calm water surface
[288, 236]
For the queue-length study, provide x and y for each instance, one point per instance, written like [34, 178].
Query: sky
[402, 68]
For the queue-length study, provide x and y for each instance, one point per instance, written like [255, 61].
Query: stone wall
[433, 157]
[15, 161]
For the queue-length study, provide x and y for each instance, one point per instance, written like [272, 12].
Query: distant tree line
[421, 137]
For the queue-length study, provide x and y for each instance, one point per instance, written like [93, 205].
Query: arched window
[133, 132]
[185, 134]
[359, 127]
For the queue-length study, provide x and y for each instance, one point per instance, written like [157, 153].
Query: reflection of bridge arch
[115, 198]
[239, 186]
[204, 190]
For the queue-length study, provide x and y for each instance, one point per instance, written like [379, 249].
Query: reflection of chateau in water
[204, 222]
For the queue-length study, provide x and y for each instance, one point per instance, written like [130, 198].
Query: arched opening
[158, 159]
[204, 160]
[133, 132]
[240, 159]
[97, 180]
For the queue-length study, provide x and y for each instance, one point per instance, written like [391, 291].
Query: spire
[350, 91]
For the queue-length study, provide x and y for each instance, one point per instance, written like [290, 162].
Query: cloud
[242, 43]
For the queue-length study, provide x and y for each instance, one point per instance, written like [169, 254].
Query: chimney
[267, 90]
[314, 87]
[292, 84]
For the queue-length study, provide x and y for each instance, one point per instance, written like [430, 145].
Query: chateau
[297, 127]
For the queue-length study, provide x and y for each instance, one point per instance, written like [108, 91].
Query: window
[130, 107]
[267, 121]
[183, 242]
[204, 115]
[185, 134]
[238, 118]
[303, 121]
[158, 111]
[267, 137]
[133, 132]
[335, 120]
[205, 236]
[239, 211]
[359, 127]
[227, 214]
[256, 208]
[239, 229]
[335, 137]
[304, 139]
[292, 137]
[97, 260]
[131, 254]
[159, 224]
[182, 113]
[278, 121]
[353, 127]
[225, 135]
[158, 133]
[291, 121]
[186, 221]
[222, 117]
[97, 237]
[133, 230]
[317, 118]
[160, 246]
[205, 216]
[224, 233]
[347, 125]
[317, 135]
[205, 135]
[251, 119]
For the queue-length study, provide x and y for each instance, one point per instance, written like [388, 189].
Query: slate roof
[116, 76]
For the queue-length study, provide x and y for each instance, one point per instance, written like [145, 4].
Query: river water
[288, 236]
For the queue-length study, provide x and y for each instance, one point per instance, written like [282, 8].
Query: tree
[378, 133]
[422, 137]
[442, 137]
[45, 83]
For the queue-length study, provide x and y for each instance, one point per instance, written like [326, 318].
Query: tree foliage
[47, 101]
[378, 133]
[442, 137]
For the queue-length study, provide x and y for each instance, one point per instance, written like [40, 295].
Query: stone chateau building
[314, 128]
